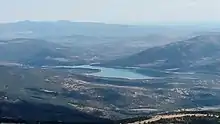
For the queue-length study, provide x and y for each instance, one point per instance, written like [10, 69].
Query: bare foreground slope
[184, 117]
[159, 117]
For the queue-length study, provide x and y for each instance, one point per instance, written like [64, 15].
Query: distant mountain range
[200, 52]
[65, 42]
[66, 28]
[34, 29]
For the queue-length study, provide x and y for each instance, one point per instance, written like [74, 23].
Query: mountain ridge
[174, 55]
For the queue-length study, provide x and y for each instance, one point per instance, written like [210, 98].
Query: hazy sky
[111, 11]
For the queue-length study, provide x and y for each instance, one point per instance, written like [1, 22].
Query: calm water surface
[114, 73]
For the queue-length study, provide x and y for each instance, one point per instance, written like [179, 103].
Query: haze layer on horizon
[111, 11]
